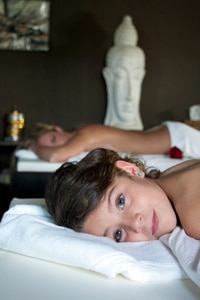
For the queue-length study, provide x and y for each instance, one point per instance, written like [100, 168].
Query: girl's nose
[138, 223]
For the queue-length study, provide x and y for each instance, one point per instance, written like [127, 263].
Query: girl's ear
[130, 168]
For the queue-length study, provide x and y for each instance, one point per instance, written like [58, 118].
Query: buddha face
[123, 78]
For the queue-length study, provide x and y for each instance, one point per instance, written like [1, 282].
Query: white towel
[30, 155]
[187, 251]
[30, 230]
[26, 154]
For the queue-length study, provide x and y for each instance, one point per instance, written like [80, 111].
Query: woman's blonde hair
[32, 135]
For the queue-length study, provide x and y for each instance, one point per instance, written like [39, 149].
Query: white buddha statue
[123, 75]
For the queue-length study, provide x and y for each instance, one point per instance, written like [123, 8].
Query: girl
[119, 197]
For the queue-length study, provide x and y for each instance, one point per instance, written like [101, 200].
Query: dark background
[65, 85]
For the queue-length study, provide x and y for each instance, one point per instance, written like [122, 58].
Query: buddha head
[123, 75]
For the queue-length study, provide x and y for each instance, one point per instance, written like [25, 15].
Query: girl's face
[133, 209]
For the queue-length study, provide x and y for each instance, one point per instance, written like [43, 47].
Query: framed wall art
[24, 25]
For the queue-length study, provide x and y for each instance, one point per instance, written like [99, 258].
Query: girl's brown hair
[76, 188]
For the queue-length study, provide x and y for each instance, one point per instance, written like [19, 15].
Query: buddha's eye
[121, 201]
[118, 235]
[120, 74]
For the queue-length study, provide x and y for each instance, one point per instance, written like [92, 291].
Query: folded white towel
[30, 230]
[26, 154]
[28, 161]
[187, 251]
[30, 155]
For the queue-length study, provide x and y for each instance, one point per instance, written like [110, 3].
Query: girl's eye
[121, 201]
[118, 235]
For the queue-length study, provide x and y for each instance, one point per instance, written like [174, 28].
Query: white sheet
[29, 162]
[36, 165]
[24, 277]
[29, 230]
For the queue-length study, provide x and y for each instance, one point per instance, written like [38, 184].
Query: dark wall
[65, 85]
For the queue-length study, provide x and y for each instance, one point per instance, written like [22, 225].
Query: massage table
[34, 273]
[29, 174]
[26, 276]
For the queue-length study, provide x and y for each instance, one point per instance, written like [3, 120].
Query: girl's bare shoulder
[182, 167]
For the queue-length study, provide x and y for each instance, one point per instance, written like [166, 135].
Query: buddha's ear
[106, 73]
[130, 168]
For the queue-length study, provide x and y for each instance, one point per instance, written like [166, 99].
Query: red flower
[175, 152]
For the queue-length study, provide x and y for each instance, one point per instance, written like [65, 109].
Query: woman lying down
[120, 198]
